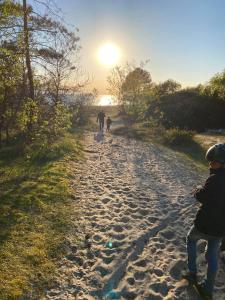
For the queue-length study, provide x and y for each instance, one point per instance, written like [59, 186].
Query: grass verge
[36, 205]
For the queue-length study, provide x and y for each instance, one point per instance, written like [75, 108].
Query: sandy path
[137, 209]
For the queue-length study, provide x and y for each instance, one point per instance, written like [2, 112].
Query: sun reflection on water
[104, 100]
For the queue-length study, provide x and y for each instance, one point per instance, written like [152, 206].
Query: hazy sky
[184, 39]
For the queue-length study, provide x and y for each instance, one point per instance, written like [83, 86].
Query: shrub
[55, 151]
[176, 137]
[188, 110]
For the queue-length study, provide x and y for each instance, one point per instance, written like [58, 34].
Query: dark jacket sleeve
[205, 193]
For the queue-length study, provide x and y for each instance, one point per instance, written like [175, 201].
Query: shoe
[190, 277]
[203, 292]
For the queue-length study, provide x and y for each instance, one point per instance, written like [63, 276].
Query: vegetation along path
[137, 209]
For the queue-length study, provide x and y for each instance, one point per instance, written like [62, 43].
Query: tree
[26, 44]
[60, 64]
[215, 87]
[11, 85]
[136, 81]
[43, 40]
[134, 88]
[129, 83]
[167, 87]
[115, 81]
[29, 95]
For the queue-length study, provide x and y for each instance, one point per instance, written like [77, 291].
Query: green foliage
[129, 83]
[164, 88]
[61, 119]
[215, 87]
[28, 115]
[133, 89]
[53, 151]
[176, 136]
[136, 81]
[35, 147]
[188, 109]
[116, 80]
[80, 110]
[31, 99]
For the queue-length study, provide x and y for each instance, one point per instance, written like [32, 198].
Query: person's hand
[195, 190]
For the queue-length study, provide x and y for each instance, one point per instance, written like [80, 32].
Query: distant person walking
[101, 120]
[209, 223]
[108, 123]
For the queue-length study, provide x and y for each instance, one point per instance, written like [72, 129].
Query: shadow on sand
[99, 136]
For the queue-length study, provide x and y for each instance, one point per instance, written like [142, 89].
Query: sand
[137, 208]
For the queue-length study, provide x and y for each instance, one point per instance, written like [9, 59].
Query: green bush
[55, 151]
[187, 109]
[176, 137]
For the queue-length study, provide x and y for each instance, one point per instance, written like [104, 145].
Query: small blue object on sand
[109, 245]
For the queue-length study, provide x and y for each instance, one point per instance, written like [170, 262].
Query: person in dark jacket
[101, 120]
[209, 223]
[108, 123]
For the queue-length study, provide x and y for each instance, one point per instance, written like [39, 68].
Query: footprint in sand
[167, 234]
[133, 197]
[103, 271]
[97, 238]
[141, 263]
[176, 268]
[160, 288]
[158, 272]
[119, 236]
[128, 295]
[118, 228]
[106, 200]
[132, 205]
[130, 280]
[153, 296]
[108, 259]
[125, 219]
[139, 275]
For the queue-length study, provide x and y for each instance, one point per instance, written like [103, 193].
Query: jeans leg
[212, 253]
[192, 251]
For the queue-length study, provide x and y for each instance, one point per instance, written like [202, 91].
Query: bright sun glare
[108, 54]
[106, 100]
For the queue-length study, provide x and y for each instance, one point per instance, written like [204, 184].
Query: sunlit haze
[184, 40]
[103, 100]
[108, 54]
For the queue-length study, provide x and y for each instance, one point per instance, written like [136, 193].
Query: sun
[108, 54]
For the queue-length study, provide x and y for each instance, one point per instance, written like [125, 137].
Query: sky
[184, 40]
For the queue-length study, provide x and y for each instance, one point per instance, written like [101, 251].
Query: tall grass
[177, 137]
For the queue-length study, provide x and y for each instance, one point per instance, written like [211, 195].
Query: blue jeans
[211, 255]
